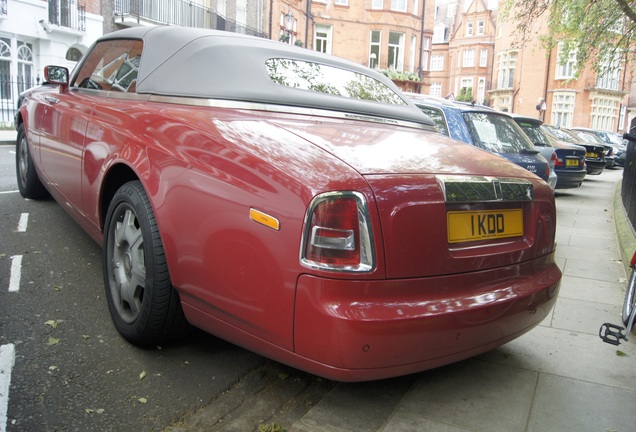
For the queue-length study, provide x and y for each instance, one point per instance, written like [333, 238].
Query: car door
[62, 127]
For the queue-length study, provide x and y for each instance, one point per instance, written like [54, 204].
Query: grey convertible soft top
[211, 64]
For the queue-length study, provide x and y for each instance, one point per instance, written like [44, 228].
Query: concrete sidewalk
[558, 377]
[8, 136]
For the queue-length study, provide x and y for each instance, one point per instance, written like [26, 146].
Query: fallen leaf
[283, 375]
[142, 375]
[89, 410]
[621, 353]
[143, 400]
[85, 337]
[52, 323]
[53, 341]
[53, 367]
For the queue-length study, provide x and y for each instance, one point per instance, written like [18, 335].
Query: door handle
[51, 99]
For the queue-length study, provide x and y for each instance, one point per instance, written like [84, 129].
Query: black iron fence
[628, 188]
[9, 93]
[67, 13]
[179, 12]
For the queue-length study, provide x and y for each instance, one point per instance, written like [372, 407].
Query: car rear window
[496, 133]
[330, 80]
[536, 134]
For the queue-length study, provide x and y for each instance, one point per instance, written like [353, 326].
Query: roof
[215, 64]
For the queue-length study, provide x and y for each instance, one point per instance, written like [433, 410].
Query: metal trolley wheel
[629, 306]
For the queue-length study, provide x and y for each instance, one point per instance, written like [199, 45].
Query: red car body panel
[425, 303]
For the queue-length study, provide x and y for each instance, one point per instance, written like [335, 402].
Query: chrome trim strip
[250, 106]
[466, 189]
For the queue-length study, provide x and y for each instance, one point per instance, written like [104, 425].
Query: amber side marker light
[264, 219]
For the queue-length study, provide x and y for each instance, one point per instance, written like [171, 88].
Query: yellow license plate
[571, 162]
[465, 226]
[591, 155]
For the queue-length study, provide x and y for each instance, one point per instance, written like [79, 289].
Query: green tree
[465, 94]
[598, 31]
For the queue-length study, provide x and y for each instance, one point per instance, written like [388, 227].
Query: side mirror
[56, 75]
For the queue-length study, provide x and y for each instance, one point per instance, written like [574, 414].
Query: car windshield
[536, 134]
[497, 133]
[330, 80]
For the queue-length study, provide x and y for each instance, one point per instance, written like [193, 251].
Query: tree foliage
[598, 31]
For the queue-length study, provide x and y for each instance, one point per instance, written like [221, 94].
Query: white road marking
[24, 220]
[8, 192]
[16, 273]
[7, 360]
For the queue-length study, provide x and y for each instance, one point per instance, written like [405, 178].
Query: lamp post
[289, 26]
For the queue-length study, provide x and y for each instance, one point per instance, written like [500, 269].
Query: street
[73, 372]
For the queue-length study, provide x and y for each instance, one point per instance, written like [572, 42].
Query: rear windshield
[330, 80]
[496, 133]
[535, 133]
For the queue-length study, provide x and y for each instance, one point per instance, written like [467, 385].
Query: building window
[481, 90]
[396, 51]
[562, 109]
[565, 63]
[412, 50]
[466, 89]
[483, 58]
[374, 49]
[437, 63]
[609, 76]
[604, 113]
[435, 90]
[506, 70]
[398, 5]
[469, 28]
[377, 4]
[480, 27]
[426, 53]
[5, 68]
[415, 7]
[341, 2]
[469, 58]
[322, 38]
[25, 66]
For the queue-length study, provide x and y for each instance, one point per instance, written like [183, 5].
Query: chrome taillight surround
[341, 239]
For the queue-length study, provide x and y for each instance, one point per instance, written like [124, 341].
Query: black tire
[143, 305]
[29, 183]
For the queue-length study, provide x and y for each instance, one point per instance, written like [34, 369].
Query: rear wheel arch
[116, 177]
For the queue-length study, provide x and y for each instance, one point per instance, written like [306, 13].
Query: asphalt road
[73, 372]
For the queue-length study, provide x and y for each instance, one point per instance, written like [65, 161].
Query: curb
[624, 231]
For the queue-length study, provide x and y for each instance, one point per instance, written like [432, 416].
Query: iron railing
[179, 12]
[67, 13]
[9, 93]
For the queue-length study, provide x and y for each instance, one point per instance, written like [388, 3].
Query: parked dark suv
[485, 128]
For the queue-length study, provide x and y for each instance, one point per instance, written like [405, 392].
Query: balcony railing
[178, 12]
[67, 13]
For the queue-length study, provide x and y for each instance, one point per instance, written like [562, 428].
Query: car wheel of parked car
[143, 304]
[29, 183]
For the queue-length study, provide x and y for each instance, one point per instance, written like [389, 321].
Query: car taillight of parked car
[337, 234]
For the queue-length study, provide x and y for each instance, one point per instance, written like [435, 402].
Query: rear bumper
[353, 330]
[595, 167]
[569, 179]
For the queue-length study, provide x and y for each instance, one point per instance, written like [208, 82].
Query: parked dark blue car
[570, 166]
[486, 128]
